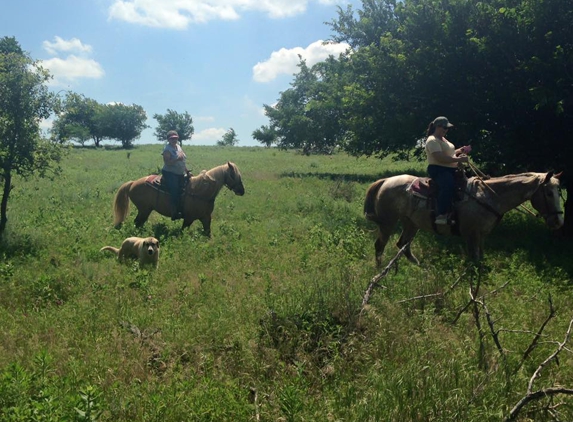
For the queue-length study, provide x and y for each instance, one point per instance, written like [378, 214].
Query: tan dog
[144, 249]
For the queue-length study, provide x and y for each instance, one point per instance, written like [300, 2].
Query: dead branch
[494, 332]
[254, 396]
[452, 287]
[421, 297]
[537, 336]
[544, 392]
[378, 277]
[467, 305]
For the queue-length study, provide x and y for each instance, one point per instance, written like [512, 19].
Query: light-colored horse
[198, 199]
[485, 202]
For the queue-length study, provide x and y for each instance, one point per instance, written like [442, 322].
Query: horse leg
[475, 247]
[142, 216]
[186, 222]
[206, 221]
[380, 244]
[408, 233]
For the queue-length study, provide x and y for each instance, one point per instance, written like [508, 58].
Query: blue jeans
[174, 183]
[444, 177]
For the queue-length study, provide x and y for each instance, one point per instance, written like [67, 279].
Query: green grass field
[261, 322]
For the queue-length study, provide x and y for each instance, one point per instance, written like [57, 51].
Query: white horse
[485, 202]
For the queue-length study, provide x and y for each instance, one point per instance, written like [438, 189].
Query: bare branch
[537, 372]
[538, 335]
[545, 392]
[378, 277]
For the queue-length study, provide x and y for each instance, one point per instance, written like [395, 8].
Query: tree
[229, 139]
[500, 70]
[24, 102]
[124, 122]
[308, 114]
[265, 135]
[80, 119]
[180, 122]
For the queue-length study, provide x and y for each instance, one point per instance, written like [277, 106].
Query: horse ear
[558, 175]
[231, 167]
[548, 177]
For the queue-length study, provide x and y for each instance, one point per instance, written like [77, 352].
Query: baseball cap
[442, 122]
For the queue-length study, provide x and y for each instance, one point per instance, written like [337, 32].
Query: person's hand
[463, 158]
[466, 149]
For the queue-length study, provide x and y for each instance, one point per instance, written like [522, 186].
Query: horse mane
[510, 180]
[209, 182]
[203, 184]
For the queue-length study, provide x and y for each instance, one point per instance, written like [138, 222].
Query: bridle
[232, 186]
[546, 215]
[522, 207]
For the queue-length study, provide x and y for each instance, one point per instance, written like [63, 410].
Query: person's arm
[440, 157]
[167, 158]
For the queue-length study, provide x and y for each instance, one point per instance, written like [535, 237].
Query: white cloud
[76, 65]
[204, 119]
[209, 135]
[178, 14]
[72, 46]
[72, 68]
[285, 60]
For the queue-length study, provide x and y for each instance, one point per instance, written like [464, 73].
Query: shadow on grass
[15, 245]
[361, 178]
[541, 248]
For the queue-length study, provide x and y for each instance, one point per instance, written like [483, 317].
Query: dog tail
[110, 248]
[121, 204]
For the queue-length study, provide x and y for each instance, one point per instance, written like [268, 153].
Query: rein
[521, 207]
[485, 204]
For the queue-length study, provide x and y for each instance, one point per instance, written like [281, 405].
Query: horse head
[233, 179]
[547, 201]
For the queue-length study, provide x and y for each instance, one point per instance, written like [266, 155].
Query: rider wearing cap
[443, 159]
[173, 172]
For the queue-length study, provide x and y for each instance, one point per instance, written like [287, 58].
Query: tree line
[500, 70]
[81, 119]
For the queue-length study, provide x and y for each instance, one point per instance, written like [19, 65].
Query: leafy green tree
[229, 139]
[180, 122]
[24, 101]
[80, 119]
[500, 70]
[307, 115]
[124, 122]
[265, 135]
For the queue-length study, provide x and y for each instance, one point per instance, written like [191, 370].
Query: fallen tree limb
[544, 392]
[374, 282]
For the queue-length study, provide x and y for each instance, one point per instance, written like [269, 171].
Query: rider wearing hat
[443, 159]
[173, 171]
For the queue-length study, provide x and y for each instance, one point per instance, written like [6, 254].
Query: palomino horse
[198, 199]
[485, 202]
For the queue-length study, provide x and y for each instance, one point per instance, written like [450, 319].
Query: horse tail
[121, 204]
[369, 201]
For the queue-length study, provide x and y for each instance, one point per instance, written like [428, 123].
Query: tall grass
[261, 321]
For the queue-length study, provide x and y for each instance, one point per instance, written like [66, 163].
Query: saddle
[201, 186]
[156, 182]
[426, 188]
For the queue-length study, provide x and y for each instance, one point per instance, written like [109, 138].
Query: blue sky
[218, 60]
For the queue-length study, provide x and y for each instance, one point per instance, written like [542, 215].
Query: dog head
[151, 245]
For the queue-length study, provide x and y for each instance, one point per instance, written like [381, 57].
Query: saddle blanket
[423, 188]
[154, 180]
